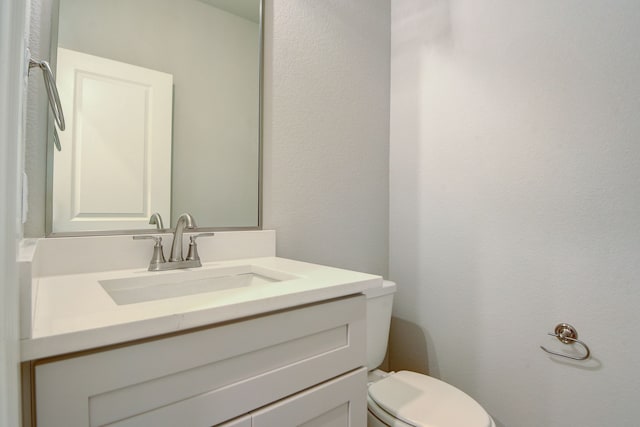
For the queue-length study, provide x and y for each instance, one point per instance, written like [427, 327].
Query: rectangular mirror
[162, 100]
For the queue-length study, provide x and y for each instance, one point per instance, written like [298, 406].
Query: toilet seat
[382, 417]
[411, 399]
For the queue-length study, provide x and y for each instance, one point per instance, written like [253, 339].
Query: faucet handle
[157, 239]
[192, 255]
[158, 254]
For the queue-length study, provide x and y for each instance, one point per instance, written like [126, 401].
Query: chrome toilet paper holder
[567, 334]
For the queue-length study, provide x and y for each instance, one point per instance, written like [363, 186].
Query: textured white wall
[515, 201]
[326, 131]
[36, 122]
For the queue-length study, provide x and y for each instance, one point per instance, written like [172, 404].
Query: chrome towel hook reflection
[567, 334]
[52, 94]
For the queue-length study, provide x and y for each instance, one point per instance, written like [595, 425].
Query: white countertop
[73, 312]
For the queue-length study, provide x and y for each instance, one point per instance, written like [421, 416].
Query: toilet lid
[423, 401]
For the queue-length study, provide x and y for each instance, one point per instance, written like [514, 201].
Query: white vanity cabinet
[339, 402]
[301, 366]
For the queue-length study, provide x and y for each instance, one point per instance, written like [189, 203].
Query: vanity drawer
[211, 375]
[340, 402]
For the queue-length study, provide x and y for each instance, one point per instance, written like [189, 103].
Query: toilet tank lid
[388, 287]
[421, 400]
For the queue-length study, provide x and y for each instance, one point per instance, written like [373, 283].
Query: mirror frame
[50, 145]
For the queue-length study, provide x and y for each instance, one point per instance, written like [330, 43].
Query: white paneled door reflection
[114, 169]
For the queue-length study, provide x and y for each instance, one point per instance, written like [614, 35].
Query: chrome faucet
[176, 260]
[156, 220]
[184, 221]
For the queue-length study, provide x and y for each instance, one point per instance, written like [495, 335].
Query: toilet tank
[379, 304]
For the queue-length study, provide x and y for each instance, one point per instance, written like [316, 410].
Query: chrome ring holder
[52, 95]
[567, 334]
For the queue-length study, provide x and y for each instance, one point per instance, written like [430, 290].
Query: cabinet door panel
[340, 402]
[238, 422]
[337, 417]
[204, 377]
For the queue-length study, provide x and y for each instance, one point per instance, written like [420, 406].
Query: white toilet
[407, 398]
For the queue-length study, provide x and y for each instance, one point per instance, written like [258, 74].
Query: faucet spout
[156, 220]
[185, 221]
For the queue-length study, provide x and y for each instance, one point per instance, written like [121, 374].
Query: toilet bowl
[407, 398]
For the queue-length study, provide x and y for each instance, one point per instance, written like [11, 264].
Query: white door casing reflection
[119, 120]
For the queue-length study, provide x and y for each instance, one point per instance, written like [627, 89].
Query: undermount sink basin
[164, 285]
